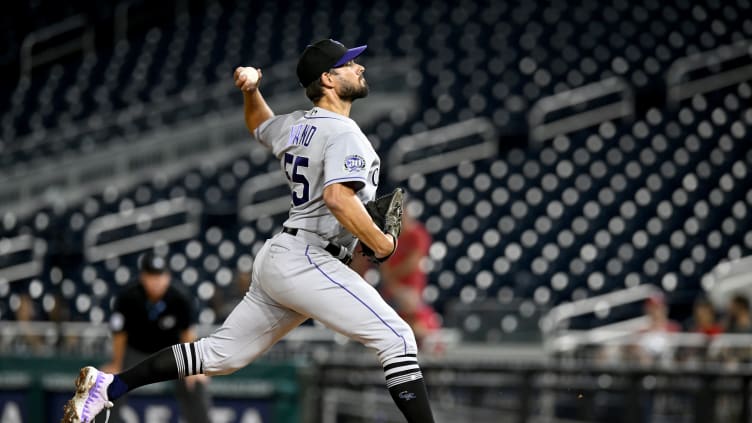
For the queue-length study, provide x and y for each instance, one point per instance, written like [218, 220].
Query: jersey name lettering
[301, 135]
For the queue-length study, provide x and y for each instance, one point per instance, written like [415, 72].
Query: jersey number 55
[296, 177]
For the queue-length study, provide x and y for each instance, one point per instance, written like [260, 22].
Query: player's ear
[327, 80]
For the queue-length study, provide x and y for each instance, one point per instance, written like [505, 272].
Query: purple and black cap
[321, 56]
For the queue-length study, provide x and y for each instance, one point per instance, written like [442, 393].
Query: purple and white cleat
[90, 398]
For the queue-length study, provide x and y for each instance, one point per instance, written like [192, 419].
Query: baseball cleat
[90, 397]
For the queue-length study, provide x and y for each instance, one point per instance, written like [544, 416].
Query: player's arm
[119, 343]
[255, 109]
[188, 335]
[119, 328]
[186, 317]
[350, 212]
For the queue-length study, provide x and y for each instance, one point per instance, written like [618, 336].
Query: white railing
[45, 338]
[249, 206]
[442, 148]
[82, 41]
[581, 116]
[600, 304]
[27, 266]
[727, 279]
[682, 84]
[187, 228]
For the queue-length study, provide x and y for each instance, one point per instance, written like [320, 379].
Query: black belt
[330, 248]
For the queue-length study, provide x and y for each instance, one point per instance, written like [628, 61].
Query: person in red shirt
[704, 319]
[403, 278]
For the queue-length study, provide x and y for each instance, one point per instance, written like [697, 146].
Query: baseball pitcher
[300, 273]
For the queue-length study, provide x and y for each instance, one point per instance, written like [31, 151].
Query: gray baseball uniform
[294, 276]
[299, 273]
[318, 148]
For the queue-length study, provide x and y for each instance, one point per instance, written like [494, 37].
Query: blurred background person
[738, 319]
[656, 310]
[403, 278]
[26, 314]
[703, 321]
[704, 318]
[151, 314]
[652, 342]
[59, 314]
[653, 345]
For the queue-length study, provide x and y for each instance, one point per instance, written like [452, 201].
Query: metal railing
[83, 40]
[600, 305]
[442, 148]
[18, 266]
[718, 68]
[727, 279]
[188, 227]
[250, 208]
[552, 391]
[577, 112]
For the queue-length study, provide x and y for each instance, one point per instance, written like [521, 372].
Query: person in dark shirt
[150, 314]
[739, 318]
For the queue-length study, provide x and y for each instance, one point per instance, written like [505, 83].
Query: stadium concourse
[589, 182]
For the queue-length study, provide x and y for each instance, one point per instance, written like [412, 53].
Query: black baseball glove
[386, 212]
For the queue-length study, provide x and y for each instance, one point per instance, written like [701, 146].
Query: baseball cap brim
[350, 55]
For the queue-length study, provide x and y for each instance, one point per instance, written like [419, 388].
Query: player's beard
[353, 92]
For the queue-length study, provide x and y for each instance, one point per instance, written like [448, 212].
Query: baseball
[251, 77]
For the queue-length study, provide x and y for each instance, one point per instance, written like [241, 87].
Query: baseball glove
[386, 212]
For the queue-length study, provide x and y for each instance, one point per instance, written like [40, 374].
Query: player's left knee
[400, 342]
[411, 344]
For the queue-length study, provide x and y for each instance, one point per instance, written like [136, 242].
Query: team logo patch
[354, 163]
[407, 396]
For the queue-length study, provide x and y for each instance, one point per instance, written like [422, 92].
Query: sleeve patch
[355, 163]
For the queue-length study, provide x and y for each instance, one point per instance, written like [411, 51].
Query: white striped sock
[179, 360]
[401, 369]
